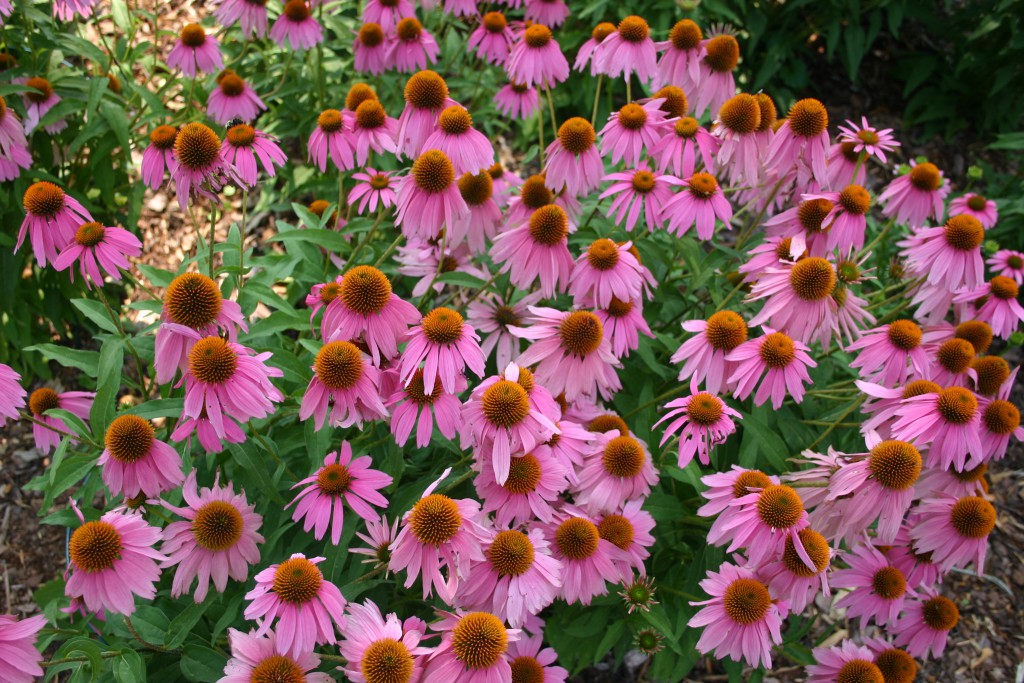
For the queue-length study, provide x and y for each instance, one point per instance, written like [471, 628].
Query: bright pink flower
[835, 664]
[846, 223]
[1000, 420]
[743, 141]
[536, 59]
[330, 137]
[14, 152]
[799, 300]
[52, 218]
[764, 519]
[627, 51]
[158, 156]
[636, 191]
[372, 129]
[233, 98]
[618, 468]
[589, 562]
[429, 197]
[20, 662]
[250, 16]
[218, 539]
[548, 12]
[200, 170]
[1008, 263]
[537, 248]
[38, 103]
[883, 404]
[634, 129]
[411, 47]
[588, 50]
[517, 101]
[891, 354]
[65, 10]
[446, 346]
[468, 149]
[705, 355]
[380, 539]
[973, 204]
[365, 306]
[843, 168]
[460, 8]
[785, 362]
[877, 590]
[705, 421]
[134, 461]
[370, 49]
[226, 380]
[387, 14]
[341, 482]
[519, 577]
[867, 139]
[605, 271]
[426, 95]
[919, 569]
[772, 253]
[472, 650]
[195, 53]
[628, 528]
[741, 619]
[572, 354]
[306, 606]
[678, 148]
[570, 447]
[480, 226]
[243, 145]
[948, 257]
[78, 403]
[526, 655]
[802, 143]
[94, 246]
[257, 657]
[700, 202]
[954, 530]
[493, 39]
[804, 223]
[573, 162]
[726, 487]
[501, 421]
[373, 188]
[719, 55]
[947, 421]
[681, 63]
[411, 406]
[12, 394]
[926, 623]
[207, 435]
[297, 27]
[1000, 309]
[532, 489]
[439, 533]
[792, 580]
[624, 323]
[381, 647]
[345, 382]
[112, 560]
[916, 197]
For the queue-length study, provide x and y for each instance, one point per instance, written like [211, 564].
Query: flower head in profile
[926, 622]
[946, 421]
[764, 519]
[96, 246]
[548, 12]
[726, 487]
[916, 197]
[201, 170]
[411, 47]
[387, 13]
[637, 193]
[954, 530]
[21, 658]
[372, 129]
[779, 359]
[233, 98]
[306, 606]
[12, 394]
[251, 17]
[1008, 263]
[243, 145]
[492, 39]
[14, 152]
[573, 161]
[628, 528]
[679, 149]
[681, 62]
[536, 59]
[38, 101]
[607, 270]
[479, 227]
[381, 536]
[473, 649]
[587, 53]
[798, 299]
[617, 469]
[257, 657]
[329, 139]
[468, 149]
[426, 95]
[702, 421]
[113, 559]
[718, 59]
[791, 578]
[412, 406]
[429, 197]
[627, 51]
[341, 482]
[741, 620]
[218, 539]
[538, 248]
[195, 52]
[891, 354]
[345, 382]
[802, 144]
[370, 49]
[699, 203]
[632, 130]
[974, 204]
[135, 461]
[998, 307]
[296, 27]
[446, 346]
[589, 562]
[517, 100]
[381, 649]
[66, 10]
[158, 157]
[52, 219]
[78, 403]
[705, 355]
[948, 257]
[867, 139]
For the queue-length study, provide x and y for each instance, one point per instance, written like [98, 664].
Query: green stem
[145, 643]
[241, 239]
[366, 238]
[749, 230]
[34, 420]
[483, 288]
[837, 422]
[879, 237]
[629, 90]
[597, 97]
[109, 654]
[387, 252]
[551, 108]
[860, 161]
[540, 136]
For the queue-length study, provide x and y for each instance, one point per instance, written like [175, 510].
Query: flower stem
[551, 108]
[369, 236]
[597, 98]
[145, 643]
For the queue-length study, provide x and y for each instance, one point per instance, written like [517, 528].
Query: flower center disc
[634, 29]
[940, 613]
[603, 254]
[607, 422]
[723, 53]
[779, 506]
[812, 213]
[777, 350]
[232, 85]
[896, 666]
[746, 601]
[643, 181]
[750, 479]
[442, 326]
[576, 135]
[768, 113]
[817, 549]
[675, 104]
[973, 517]
[686, 127]
[365, 290]
[549, 225]
[193, 300]
[426, 90]
[623, 457]
[334, 479]
[889, 583]
[956, 355]
[860, 671]
[632, 116]
[386, 661]
[339, 364]
[703, 185]
[197, 147]
[297, 580]
[329, 121]
[296, 10]
[433, 171]
[812, 278]
[476, 189]
[976, 203]
[495, 22]
[479, 640]
[212, 361]
[330, 291]
[919, 387]
[686, 35]
[808, 118]
[416, 392]
[905, 335]
[505, 403]
[537, 36]
[41, 84]
[526, 670]
[977, 332]
[577, 538]
[964, 232]
[1003, 287]
[523, 475]
[43, 199]
[725, 330]
[370, 114]
[163, 137]
[971, 475]
[242, 135]
[957, 405]
[1001, 417]
[43, 399]
[704, 409]
[535, 194]
[602, 31]
[581, 333]
[435, 519]
[617, 530]
[855, 199]
[193, 35]
[455, 120]
[926, 177]
[619, 308]
[357, 94]
[896, 465]
[217, 526]
[511, 553]
[371, 34]
[741, 114]
[277, 669]
[95, 546]
[129, 438]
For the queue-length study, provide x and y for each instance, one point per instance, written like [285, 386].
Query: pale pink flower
[548, 12]
[798, 300]
[21, 659]
[634, 129]
[954, 530]
[370, 49]
[627, 51]
[605, 271]
[78, 403]
[926, 623]
[867, 139]
[835, 664]
[134, 461]
[628, 528]
[891, 354]
[255, 656]
[250, 16]
[380, 539]
[1008, 263]
[882, 403]
[973, 204]
[573, 162]
[297, 27]
[638, 191]
[947, 421]
[381, 646]
[329, 138]
[472, 650]
[624, 323]
[424, 261]
[12, 394]
[948, 257]
[468, 149]
[38, 102]
[705, 355]
[937, 482]
[158, 157]
[589, 562]
[526, 655]
[678, 149]
[780, 359]
[480, 226]
[742, 140]
[916, 197]
[373, 188]
[764, 519]
[1000, 309]
[681, 63]
[532, 489]
[715, 84]
[446, 345]
[700, 202]
[65, 10]
[429, 197]
[536, 59]
[517, 101]
[52, 219]
[703, 421]
[233, 98]
[726, 487]
[195, 53]
[387, 14]
[201, 170]
[877, 590]
[588, 50]
[918, 568]
[426, 95]
[792, 580]
[347, 384]
[412, 406]
[243, 145]
[618, 468]
[411, 47]
[492, 40]
[96, 246]
[537, 248]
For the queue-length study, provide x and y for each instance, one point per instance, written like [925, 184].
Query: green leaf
[158, 276]
[122, 17]
[104, 407]
[83, 647]
[200, 663]
[129, 668]
[86, 361]
[160, 407]
[182, 624]
[96, 312]
[328, 239]
[115, 116]
[71, 471]
[461, 279]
